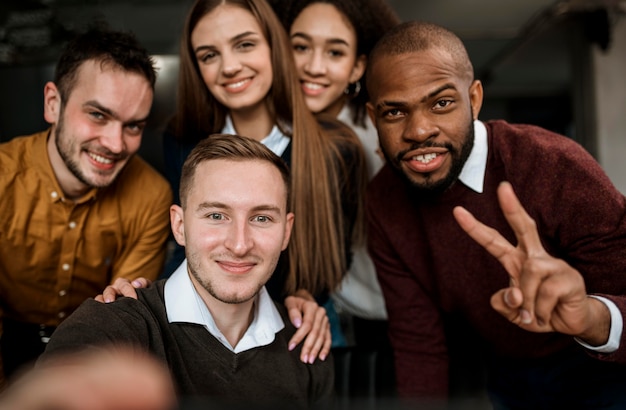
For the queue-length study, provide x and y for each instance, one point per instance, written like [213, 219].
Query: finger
[490, 239]
[306, 327]
[325, 351]
[294, 309]
[141, 283]
[522, 224]
[315, 339]
[99, 298]
[562, 289]
[321, 330]
[507, 302]
[546, 301]
[109, 294]
[127, 289]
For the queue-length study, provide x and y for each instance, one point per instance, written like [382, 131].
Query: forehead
[414, 73]
[324, 20]
[223, 23]
[241, 184]
[125, 92]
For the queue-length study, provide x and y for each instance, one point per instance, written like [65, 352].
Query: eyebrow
[435, 92]
[334, 40]
[232, 40]
[95, 104]
[220, 205]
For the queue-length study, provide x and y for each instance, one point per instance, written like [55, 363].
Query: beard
[234, 297]
[431, 187]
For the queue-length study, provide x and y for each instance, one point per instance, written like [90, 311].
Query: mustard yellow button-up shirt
[56, 252]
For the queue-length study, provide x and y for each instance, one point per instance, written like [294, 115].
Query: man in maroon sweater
[547, 313]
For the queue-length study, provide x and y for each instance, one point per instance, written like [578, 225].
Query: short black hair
[98, 43]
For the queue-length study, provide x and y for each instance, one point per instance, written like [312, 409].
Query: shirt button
[54, 195]
[66, 267]
[72, 225]
[62, 292]
[61, 315]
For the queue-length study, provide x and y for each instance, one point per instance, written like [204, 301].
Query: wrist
[597, 333]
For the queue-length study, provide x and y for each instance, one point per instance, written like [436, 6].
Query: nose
[420, 128]
[315, 65]
[230, 64]
[113, 138]
[239, 239]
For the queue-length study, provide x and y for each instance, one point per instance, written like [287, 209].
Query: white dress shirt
[184, 304]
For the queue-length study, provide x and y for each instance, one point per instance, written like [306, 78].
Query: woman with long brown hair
[237, 75]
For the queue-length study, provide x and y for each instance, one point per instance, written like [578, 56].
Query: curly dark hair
[370, 20]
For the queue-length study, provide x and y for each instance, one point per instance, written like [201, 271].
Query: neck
[232, 319]
[253, 123]
[71, 186]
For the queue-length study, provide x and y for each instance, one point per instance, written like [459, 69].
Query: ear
[51, 103]
[476, 98]
[288, 226]
[358, 69]
[177, 223]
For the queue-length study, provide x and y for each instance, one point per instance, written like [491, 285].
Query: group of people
[301, 134]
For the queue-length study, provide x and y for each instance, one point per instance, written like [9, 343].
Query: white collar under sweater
[276, 141]
[473, 172]
[184, 304]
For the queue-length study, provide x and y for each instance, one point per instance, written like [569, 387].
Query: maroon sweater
[430, 270]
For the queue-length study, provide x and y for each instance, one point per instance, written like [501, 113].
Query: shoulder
[525, 139]
[18, 150]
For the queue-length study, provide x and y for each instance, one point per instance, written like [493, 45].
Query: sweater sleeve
[96, 324]
[580, 214]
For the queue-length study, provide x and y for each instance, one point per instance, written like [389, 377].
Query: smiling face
[234, 226]
[325, 47]
[98, 128]
[233, 57]
[424, 108]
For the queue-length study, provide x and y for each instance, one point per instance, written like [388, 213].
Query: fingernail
[506, 298]
[292, 346]
[322, 357]
[107, 300]
[136, 283]
[297, 323]
[305, 359]
[525, 316]
[312, 360]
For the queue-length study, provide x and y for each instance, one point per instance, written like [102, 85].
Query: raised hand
[545, 294]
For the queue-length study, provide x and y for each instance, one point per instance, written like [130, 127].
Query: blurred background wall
[559, 64]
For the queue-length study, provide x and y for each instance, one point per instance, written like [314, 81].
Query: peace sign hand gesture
[545, 293]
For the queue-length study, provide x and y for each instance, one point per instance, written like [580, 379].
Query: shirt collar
[184, 304]
[473, 172]
[276, 141]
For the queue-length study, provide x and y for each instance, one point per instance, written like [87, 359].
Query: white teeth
[425, 158]
[313, 86]
[237, 84]
[100, 159]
